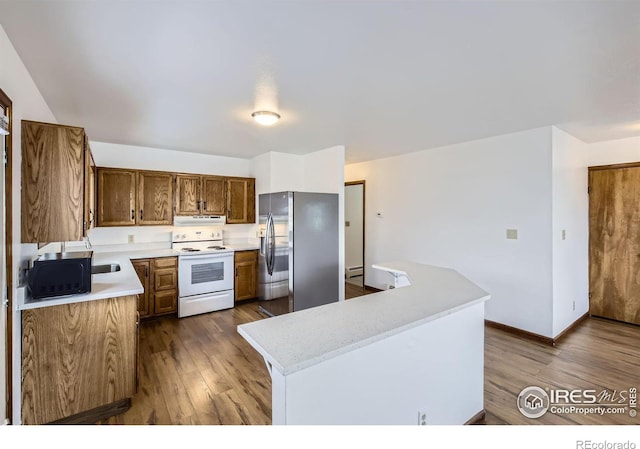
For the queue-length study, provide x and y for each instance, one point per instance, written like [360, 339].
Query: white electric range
[205, 271]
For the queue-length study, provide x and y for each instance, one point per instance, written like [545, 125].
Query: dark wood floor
[198, 370]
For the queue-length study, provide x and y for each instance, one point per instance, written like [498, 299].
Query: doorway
[5, 259]
[354, 234]
[614, 242]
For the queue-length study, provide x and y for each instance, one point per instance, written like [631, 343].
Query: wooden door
[241, 200]
[614, 243]
[116, 197]
[213, 195]
[155, 198]
[246, 270]
[52, 182]
[142, 268]
[188, 194]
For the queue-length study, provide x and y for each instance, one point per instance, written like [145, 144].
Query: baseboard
[97, 414]
[570, 328]
[372, 289]
[521, 333]
[477, 419]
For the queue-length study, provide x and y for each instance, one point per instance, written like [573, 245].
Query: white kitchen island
[409, 355]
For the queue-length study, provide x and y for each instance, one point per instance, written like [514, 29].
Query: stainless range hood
[200, 220]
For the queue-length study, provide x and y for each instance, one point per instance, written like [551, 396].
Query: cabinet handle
[236, 271]
[141, 214]
[205, 206]
[198, 204]
[133, 214]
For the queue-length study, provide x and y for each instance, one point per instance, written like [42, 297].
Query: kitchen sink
[109, 268]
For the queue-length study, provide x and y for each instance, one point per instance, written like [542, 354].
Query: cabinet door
[246, 270]
[155, 198]
[89, 187]
[142, 270]
[77, 357]
[213, 195]
[241, 200]
[52, 182]
[116, 197]
[188, 195]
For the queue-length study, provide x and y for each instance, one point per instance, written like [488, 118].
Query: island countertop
[301, 339]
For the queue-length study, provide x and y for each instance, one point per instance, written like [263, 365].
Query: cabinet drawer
[166, 302]
[165, 279]
[246, 256]
[165, 262]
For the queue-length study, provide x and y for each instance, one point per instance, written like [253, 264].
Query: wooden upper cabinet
[241, 200]
[188, 194]
[213, 195]
[155, 198]
[53, 183]
[116, 197]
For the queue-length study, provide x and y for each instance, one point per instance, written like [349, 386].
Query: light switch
[512, 234]
[564, 234]
[347, 223]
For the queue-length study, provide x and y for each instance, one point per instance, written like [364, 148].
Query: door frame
[364, 225]
[589, 170]
[8, 205]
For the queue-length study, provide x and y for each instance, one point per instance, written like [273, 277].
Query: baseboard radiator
[354, 271]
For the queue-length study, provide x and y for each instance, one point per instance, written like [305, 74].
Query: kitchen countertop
[107, 285]
[297, 340]
[243, 246]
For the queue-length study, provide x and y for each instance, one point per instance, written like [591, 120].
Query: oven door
[205, 273]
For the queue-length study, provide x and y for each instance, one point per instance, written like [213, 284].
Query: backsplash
[121, 238]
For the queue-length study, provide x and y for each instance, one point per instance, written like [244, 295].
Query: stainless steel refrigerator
[298, 266]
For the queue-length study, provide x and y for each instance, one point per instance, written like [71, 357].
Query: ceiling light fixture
[265, 118]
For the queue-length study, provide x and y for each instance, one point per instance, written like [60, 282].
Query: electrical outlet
[422, 418]
[512, 234]
[564, 234]
[131, 238]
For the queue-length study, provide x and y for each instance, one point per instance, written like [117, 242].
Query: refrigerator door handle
[269, 246]
[272, 236]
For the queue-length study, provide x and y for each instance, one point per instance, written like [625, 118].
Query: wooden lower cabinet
[246, 275]
[159, 277]
[78, 360]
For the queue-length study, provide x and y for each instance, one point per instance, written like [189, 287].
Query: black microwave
[59, 274]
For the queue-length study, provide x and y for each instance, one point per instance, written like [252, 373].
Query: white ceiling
[381, 78]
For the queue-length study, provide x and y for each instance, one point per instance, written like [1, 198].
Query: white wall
[145, 158]
[28, 104]
[618, 151]
[353, 202]
[451, 207]
[570, 205]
